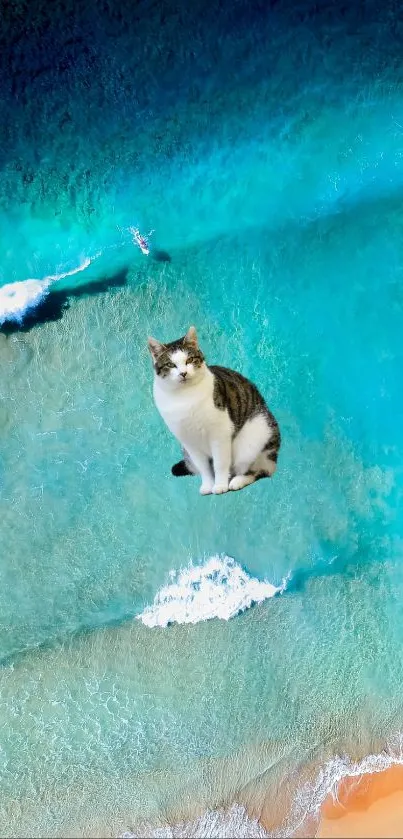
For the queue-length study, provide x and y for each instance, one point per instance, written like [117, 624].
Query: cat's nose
[184, 374]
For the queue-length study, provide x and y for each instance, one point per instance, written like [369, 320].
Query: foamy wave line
[214, 823]
[17, 298]
[311, 796]
[219, 588]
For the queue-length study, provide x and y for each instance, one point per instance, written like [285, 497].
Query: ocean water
[168, 659]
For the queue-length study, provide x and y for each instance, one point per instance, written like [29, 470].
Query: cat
[228, 435]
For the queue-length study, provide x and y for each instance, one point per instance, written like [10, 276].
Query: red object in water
[140, 240]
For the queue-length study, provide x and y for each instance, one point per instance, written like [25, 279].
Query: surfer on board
[140, 240]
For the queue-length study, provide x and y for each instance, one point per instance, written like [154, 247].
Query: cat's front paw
[206, 488]
[218, 489]
[238, 482]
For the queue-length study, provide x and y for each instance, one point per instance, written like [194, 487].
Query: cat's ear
[191, 337]
[155, 347]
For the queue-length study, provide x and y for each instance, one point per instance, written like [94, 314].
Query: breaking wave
[223, 823]
[16, 299]
[219, 588]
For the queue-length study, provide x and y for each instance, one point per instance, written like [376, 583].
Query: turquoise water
[264, 147]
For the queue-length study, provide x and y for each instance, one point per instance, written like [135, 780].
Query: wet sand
[368, 806]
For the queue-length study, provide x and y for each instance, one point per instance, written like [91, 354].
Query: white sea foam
[312, 795]
[16, 299]
[215, 823]
[219, 588]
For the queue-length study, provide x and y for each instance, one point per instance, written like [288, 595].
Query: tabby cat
[229, 436]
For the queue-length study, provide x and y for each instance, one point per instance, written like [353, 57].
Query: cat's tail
[180, 470]
[184, 467]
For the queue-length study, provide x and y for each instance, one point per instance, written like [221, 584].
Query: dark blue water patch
[104, 73]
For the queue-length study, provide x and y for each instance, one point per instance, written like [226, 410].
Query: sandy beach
[368, 806]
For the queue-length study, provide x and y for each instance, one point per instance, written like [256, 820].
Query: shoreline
[338, 798]
[342, 799]
[369, 805]
[365, 806]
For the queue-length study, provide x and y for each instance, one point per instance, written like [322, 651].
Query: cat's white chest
[191, 415]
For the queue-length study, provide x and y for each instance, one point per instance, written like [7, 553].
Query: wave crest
[16, 299]
[219, 588]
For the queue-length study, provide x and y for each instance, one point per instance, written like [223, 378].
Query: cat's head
[179, 363]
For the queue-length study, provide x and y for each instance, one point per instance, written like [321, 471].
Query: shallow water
[265, 149]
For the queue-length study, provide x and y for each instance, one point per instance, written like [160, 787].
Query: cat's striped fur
[228, 434]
